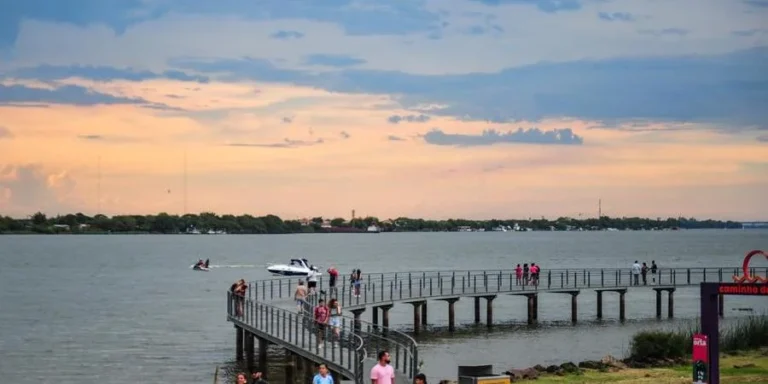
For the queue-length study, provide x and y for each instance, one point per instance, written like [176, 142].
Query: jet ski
[297, 267]
[200, 266]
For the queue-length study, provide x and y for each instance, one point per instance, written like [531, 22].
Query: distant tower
[599, 208]
[353, 214]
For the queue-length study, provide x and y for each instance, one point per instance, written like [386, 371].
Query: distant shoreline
[213, 224]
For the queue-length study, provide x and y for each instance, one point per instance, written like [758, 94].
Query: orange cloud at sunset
[141, 152]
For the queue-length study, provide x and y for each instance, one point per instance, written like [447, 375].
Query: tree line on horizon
[165, 223]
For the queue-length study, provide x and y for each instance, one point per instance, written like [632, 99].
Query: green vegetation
[271, 224]
[746, 334]
[751, 367]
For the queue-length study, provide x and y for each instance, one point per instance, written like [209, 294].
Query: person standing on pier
[518, 275]
[312, 280]
[383, 373]
[525, 273]
[334, 276]
[653, 271]
[636, 273]
[535, 274]
[644, 272]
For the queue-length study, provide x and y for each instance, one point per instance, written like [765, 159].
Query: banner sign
[700, 359]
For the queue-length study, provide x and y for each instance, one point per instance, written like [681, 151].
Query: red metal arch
[746, 278]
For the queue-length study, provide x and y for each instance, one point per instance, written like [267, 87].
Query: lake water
[127, 309]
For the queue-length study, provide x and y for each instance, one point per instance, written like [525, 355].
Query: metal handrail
[300, 331]
[402, 347]
[402, 286]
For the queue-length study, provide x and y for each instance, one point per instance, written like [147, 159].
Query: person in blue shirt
[323, 376]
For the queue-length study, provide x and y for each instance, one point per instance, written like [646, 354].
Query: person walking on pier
[383, 373]
[321, 320]
[300, 295]
[335, 320]
[653, 271]
[333, 273]
[636, 273]
[322, 377]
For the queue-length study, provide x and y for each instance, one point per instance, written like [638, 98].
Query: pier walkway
[352, 356]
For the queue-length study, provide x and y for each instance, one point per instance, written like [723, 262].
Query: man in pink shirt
[383, 373]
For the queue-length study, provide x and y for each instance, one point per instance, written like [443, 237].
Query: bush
[748, 333]
[658, 345]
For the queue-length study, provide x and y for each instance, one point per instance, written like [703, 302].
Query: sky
[424, 108]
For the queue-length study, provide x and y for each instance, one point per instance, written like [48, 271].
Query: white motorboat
[297, 267]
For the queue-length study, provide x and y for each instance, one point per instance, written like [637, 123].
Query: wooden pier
[258, 320]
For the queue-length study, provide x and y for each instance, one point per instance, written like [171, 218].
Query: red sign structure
[700, 359]
[706, 357]
[747, 278]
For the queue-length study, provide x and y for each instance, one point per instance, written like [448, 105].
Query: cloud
[491, 136]
[345, 135]
[66, 94]
[395, 138]
[31, 188]
[762, 138]
[100, 73]
[5, 133]
[108, 138]
[763, 4]
[286, 143]
[548, 6]
[615, 16]
[730, 89]
[749, 32]
[664, 32]
[355, 17]
[333, 60]
[286, 35]
[396, 119]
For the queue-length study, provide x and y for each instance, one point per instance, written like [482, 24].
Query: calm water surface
[127, 309]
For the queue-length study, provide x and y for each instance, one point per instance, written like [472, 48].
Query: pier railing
[404, 286]
[401, 347]
[345, 354]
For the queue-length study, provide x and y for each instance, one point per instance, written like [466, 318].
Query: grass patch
[676, 375]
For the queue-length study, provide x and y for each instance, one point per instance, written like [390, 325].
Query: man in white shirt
[636, 272]
[312, 280]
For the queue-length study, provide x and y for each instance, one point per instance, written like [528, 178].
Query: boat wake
[232, 266]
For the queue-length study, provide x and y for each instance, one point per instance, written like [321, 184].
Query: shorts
[299, 301]
[335, 322]
[321, 326]
[312, 284]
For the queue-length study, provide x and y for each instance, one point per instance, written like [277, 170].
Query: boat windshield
[297, 262]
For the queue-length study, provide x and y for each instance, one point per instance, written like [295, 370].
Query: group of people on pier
[642, 270]
[526, 275]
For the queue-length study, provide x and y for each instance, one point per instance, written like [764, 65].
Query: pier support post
[451, 313]
[599, 304]
[658, 303]
[290, 367]
[263, 344]
[622, 306]
[720, 305]
[477, 310]
[416, 316]
[238, 343]
[531, 308]
[375, 317]
[385, 315]
[249, 349]
[536, 308]
[574, 307]
[671, 303]
[424, 313]
[356, 313]
[489, 310]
